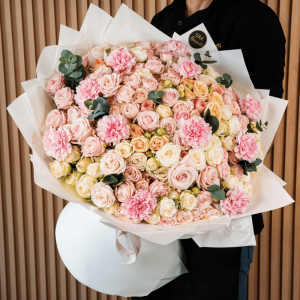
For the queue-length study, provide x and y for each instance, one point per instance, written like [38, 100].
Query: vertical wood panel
[30, 265]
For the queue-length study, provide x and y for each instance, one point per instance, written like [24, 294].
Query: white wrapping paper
[268, 192]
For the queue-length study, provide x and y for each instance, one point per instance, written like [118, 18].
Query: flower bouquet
[150, 134]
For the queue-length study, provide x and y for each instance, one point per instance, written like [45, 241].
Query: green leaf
[197, 57]
[69, 56]
[207, 54]
[63, 69]
[76, 74]
[120, 178]
[218, 194]
[160, 94]
[214, 123]
[91, 104]
[227, 77]
[251, 167]
[99, 105]
[153, 95]
[219, 79]
[63, 60]
[110, 179]
[214, 187]
[257, 162]
[207, 114]
[158, 101]
[203, 66]
[258, 127]
[210, 61]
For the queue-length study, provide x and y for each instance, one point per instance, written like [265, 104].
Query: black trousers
[213, 275]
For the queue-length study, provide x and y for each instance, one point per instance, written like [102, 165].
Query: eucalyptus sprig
[226, 80]
[250, 167]
[156, 96]
[114, 179]
[72, 68]
[217, 192]
[99, 106]
[203, 63]
[258, 125]
[212, 121]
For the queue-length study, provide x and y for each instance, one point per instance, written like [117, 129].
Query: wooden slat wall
[30, 266]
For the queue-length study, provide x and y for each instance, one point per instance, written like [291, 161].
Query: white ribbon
[133, 242]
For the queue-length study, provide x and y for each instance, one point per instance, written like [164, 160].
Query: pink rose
[217, 88]
[88, 88]
[109, 84]
[148, 105]
[124, 191]
[177, 140]
[57, 143]
[85, 62]
[167, 221]
[176, 47]
[170, 97]
[187, 68]
[154, 65]
[183, 105]
[148, 177]
[244, 121]
[238, 170]
[156, 46]
[150, 83]
[93, 146]
[230, 99]
[183, 217]
[166, 55]
[81, 130]
[132, 173]
[56, 83]
[73, 113]
[251, 107]
[199, 105]
[102, 195]
[204, 199]
[122, 215]
[140, 95]
[112, 162]
[169, 124]
[235, 202]
[232, 158]
[85, 112]
[182, 114]
[113, 101]
[159, 189]
[246, 147]
[208, 177]
[56, 119]
[171, 75]
[150, 53]
[130, 110]
[148, 120]
[225, 155]
[138, 66]
[197, 214]
[125, 94]
[64, 98]
[142, 185]
[121, 59]
[133, 81]
[223, 170]
[181, 176]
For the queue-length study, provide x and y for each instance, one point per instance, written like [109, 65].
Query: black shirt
[249, 25]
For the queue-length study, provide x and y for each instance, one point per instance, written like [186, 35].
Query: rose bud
[83, 164]
[168, 83]
[174, 195]
[60, 169]
[190, 86]
[160, 131]
[195, 190]
[147, 134]
[149, 154]
[180, 88]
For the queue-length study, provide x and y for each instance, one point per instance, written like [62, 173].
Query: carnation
[187, 68]
[113, 128]
[247, 147]
[88, 88]
[195, 132]
[251, 107]
[141, 205]
[121, 59]
[235, 202]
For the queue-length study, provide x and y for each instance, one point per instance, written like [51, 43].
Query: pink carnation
[113, 128]
[88, 88]
[57, 143]
[187, 68]
[251, 107]
[195, 132]
[176, 48]
[121, 59]
[235, 202]
[141, 205]
[122, 215]
[247, 147]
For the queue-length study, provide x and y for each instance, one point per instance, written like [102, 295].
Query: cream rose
[124, 191]
[94, 170]
[148, 120]
[112, 209]
[83, 164]
[74, 155]
[174, 195]
[168, 155]
[164, 111]
[60, 169]
[154, 218]
[112, 162]
[167, 207]
[223, 128]
[81, 129]
[138, 160]
[211, 72]
[200, 90]
[162, 173]
[84, 186]
[248, 188]
[130, 110]
[157, 142]
[215, 109]
[260, 153]
[102, 195]
[234, 125]
[125, 148]
[140, 144]
[198, 157]
[152, 165]
[226, 112]
[139, 53]
[143, 72]
[214, 156]
[187, 201]
[73, 178]
[232, 182]
[228, 142]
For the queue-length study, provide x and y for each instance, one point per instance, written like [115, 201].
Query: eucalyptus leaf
[207, 114]
[227, 77]
[158, 101]
[218, 194]
[257, 162]
[160, 94]
[110, 179]
[76, 74]
[214, 123]
[95, 115]
[210, 61]
[203, 66]
[207, 54]
[214, 187]
[197, 57]
[219, 79]
[63, 69]
[258, 127]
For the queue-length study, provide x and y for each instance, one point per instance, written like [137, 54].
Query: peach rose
[215, 109]
[142, 185]
[168, 124]
[155, 66]
[199, 105]
[170, 97]
[223, 170]
[73, 113]
[165, 56]
[141, 144]
[112, 162]
[56, 83]
[181, 116]
[102, 195]
[109, 84]
[56, 119]
[183, 217]
[157, 142]
[148, 120]
[124, 191]
[135, 131]
[132, 173]
[183, 105]
[215, 97]
[200, 90]
[208, 177]
[244, 121]
[115, 110]
[140, 95]
[159, 189]
[81, 130]
[150, 83]
[205, 199]
[133, 81]
[130, 110]
[125, 94]
[178, 141]
[64, 98]
[148, 105]
[93, 146]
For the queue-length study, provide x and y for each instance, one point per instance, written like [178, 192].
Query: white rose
[223, 128]
[139, 160]
[83, 164]
[102, 195]
[112, 162]
[248, 188]
[164, 111]
[174, 195]
[94, 170]
[73, 178]
[162, 173]
[154, 218]
[214, 156]
[60, 169]
[210, 71]
[260, 153]
[84, 186]
[198, 157]
[167, 208]
[187, 201]
[152, 165]
[246, 178]
[168, 155]
[143, 73]
[234, 125]
[215, 141]
[112, 209]
[226, 112]
[232, 182]
[125, 148]
[74, 155]
[228, 142]
[139, 53]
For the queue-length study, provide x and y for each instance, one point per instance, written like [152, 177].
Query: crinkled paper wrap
[30, 110]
